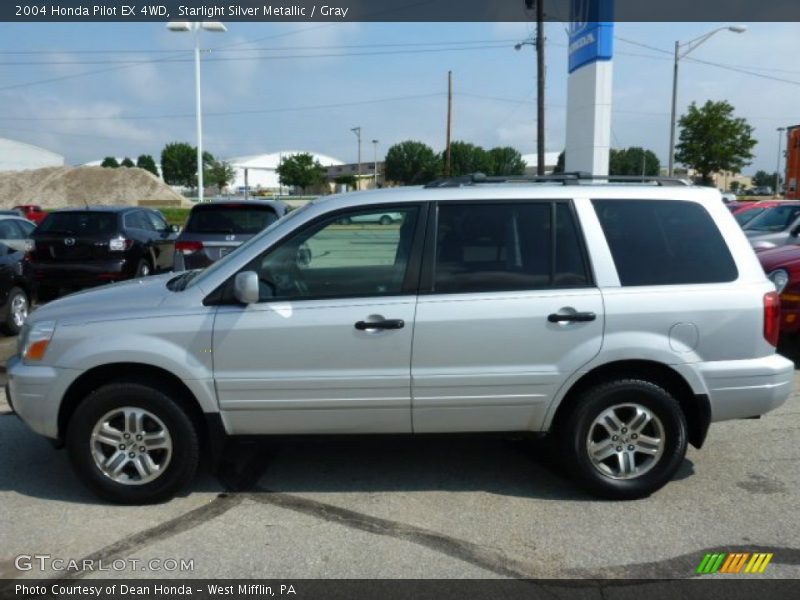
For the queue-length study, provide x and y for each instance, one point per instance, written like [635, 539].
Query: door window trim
[428, 269]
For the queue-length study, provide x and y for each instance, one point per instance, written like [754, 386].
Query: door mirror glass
[245, 287]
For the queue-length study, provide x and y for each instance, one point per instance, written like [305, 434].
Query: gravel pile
[55, 187]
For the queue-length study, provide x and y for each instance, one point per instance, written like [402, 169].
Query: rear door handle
[385, 324]
[578, 317]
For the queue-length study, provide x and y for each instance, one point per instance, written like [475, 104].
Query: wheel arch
[696, 407]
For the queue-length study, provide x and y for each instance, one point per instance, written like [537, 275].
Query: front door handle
[578, 317]
[384, 324]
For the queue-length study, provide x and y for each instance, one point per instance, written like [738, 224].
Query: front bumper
[35, 393]
[738, 389]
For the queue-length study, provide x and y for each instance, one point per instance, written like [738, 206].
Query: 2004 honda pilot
[621, 319]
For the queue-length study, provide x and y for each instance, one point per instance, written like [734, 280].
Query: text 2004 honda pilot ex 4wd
[622, 319]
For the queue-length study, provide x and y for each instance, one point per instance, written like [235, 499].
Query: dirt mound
[54, 187]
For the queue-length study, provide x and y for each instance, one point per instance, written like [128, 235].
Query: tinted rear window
[664, 242]
[79, 223]
[226, 218]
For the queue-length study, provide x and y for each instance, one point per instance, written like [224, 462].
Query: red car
[782, 266]
[33, 212]
[747, 211]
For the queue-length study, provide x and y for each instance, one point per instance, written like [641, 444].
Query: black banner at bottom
[702, 588]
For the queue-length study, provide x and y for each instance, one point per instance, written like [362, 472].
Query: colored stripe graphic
[711, 563]
[733, 563]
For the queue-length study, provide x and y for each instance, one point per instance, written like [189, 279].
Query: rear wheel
[15, 311]
[386, 220]
[625, 439]
[132, 444]
[143, 268]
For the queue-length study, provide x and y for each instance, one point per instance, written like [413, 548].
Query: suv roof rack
[572, 178]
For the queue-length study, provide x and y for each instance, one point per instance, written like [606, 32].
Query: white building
[16, 156]
[550, 162]
[262, 169]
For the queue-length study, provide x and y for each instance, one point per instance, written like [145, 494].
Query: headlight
[780, 278]
[33, 340]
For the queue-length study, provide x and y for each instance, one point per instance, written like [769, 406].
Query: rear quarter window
[664, 242]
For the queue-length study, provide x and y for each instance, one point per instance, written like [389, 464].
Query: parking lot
[421, 508]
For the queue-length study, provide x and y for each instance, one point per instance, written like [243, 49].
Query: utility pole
[449, 121]
[540, 76]
[357, 131]
[778, 170]
[375, 162]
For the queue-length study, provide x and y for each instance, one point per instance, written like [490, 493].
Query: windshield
[777, 218]
[746, 216]
[230, 218]
[220, 264]
[79, 223]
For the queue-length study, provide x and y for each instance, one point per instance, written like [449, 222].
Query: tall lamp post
[375, 161]
[357, 131]
[778, 169]
[681, 51]
[195, 27]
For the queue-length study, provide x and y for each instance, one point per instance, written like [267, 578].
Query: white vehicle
[620, 319]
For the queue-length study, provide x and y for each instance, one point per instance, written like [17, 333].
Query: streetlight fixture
[778, 169]
[375, 161]
[681, 51]
[195, 27]
[357, 131]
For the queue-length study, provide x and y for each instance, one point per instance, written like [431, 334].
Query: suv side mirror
[174, 229]
[245, 287]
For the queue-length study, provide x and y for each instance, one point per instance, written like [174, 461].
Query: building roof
[271, 160]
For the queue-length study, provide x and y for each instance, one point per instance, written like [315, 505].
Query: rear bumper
[69, 274]
[739, 389]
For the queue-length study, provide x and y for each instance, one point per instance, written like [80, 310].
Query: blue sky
[400, 95]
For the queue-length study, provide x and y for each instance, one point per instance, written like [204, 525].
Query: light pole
[375, 161]
[196, 27]
[778, 169]
[538, 43]
[357, 131]
[681, 50]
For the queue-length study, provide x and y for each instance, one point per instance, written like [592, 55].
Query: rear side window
[664, 242]
[79, 223]
[230, 218]
[506, 247]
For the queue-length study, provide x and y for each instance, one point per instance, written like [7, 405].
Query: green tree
[712, 139]
[633, 161]
[348, 180]
[179, 164]
[109, 162]
[412, 163]
[146, 162]
[764, 179]
[127, 162]
[218, 173]
[559, 168]
[506, 161]
[466, 158]
[301, 170]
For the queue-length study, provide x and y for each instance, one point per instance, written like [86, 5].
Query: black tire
[143, 268]
[386, 220]
[9, 326]
[575, 429]
[179, 470]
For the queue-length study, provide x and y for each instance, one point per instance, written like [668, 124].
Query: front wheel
[132, 444]
[625, 439]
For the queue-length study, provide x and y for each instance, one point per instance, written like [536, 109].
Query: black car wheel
[15, 311]
[132, 444]
[625, 439]
[386, 220]
[143, 268]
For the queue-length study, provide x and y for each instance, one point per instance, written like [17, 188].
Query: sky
[125, 89]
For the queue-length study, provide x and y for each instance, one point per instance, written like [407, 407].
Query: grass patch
[175, 216]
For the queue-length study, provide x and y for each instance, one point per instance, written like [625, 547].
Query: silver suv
[620, 319]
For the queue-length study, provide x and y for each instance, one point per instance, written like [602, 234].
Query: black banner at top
[390, 10]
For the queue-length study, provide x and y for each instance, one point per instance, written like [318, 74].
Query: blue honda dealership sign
[591, 32]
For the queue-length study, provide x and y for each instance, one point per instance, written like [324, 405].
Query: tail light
[119, 244]
[188, 247]
[772, 317]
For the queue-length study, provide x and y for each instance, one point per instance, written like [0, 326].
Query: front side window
[350, 255]
[664, 242]
[506, 247]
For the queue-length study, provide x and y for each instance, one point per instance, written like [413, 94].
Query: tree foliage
[633, 161]
[506, 161]
[218, 173]
[109, 162]
[300, 170]
[764, 179]
[127, 163]
[146, 162]
[712, 139]
[559, 168]
[179, 164]
[466, 158]
[412, 163]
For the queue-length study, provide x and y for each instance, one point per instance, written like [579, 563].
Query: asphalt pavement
[410, 508]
